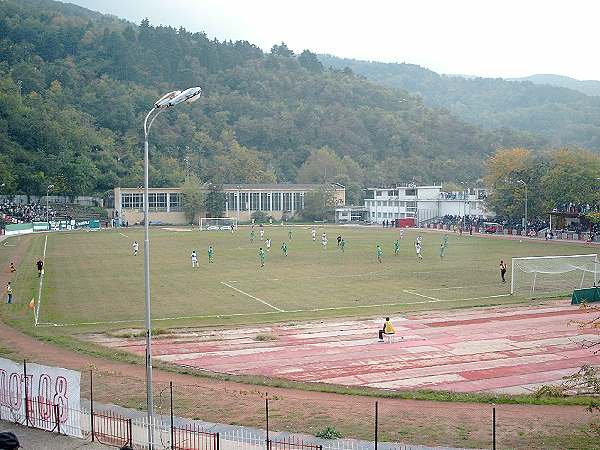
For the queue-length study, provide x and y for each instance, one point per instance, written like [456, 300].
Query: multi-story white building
[422, 203]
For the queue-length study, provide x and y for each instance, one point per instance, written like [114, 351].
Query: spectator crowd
[11, 212]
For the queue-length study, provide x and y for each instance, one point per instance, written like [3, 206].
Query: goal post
[558, 275]
[217, 223]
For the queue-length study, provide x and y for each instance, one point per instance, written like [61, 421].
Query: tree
[282, 50]
[214, 203]
[309, 61]
[572, 176]
[193, 198]
[318, 205]
[505, 170]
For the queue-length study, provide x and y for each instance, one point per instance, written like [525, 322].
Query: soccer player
[379, 253]
[445, 243]
[284, 248]
[420, 239]
[401, 234]
[418, 250]
[13, 269]
[290, 234]
[136, 247]
[232, 228]
[442, 250]
[262, 234]
[252, 235]
[262, 255]
[324, 240]
[339, 239]
[268, 242]
[211, 254]
[503, 271]
[396, 247]
[313, 233]
[343, 245]
[40, 266]
[194, 257]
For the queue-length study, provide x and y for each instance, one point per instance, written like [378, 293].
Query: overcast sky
[492, 38]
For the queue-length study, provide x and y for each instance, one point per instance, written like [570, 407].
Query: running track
[502, 349]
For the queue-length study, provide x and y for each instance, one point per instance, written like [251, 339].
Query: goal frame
[203, 220]
[513, 259]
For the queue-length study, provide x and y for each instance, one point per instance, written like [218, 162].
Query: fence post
[493, 426]
[26, 389]
[130, 433]
[57, 417]
[376, 422]
[172, 429]
[218, 446]
[92, 404]
[267, 416]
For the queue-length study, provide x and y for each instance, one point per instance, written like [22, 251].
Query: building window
[378, 214]
[132, 201]
[175, 202]
[298, 201]
[276, 196]
[379, 202]
[231, 200]
[157, 201]
[244, 201]
[287, 201]
[410, 192]
[390, 193]
[264, 201]
[378, 193]
[411, 204]
[254, 201]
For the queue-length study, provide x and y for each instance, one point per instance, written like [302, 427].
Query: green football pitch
[94, 280]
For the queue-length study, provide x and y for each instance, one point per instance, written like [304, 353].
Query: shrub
[329, 432]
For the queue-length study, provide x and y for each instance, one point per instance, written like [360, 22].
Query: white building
[423, 203]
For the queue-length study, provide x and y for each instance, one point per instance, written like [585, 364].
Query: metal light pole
[50, 186]
[167, 101]
[525, 184]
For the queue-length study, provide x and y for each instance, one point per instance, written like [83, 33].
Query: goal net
[553, 275]
[217, 223]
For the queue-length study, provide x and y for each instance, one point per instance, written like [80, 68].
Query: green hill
[75, 86]
[563, 116]
[587, 87]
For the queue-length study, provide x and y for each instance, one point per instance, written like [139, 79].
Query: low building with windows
[241, 201]
[423, 203]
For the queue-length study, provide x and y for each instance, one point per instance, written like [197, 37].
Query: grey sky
[493, 38]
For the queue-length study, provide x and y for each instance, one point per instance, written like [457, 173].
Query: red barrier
[112, 429]
[192, 437]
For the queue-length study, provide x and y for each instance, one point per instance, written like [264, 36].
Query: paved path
[32, 439]
[502, 349]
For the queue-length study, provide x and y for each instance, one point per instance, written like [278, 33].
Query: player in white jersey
[194, 257]
[313, 233]
[419, 239]
[418, 250]
[262, 234]
[324, 240]
[268, 244]
[401, 234]
[136, 248]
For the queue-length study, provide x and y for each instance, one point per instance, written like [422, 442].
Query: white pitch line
[6, 244]
[252, 296]
[421, 295]
[124, 235]
[37, 309]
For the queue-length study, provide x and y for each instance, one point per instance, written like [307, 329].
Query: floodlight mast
[166, 101]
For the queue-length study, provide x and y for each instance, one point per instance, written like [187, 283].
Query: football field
[94, 280]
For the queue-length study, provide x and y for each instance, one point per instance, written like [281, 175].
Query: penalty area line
[433, 299]
[252, 296]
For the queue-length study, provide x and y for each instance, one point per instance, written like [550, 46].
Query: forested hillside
[76, 85]
[563, 116]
